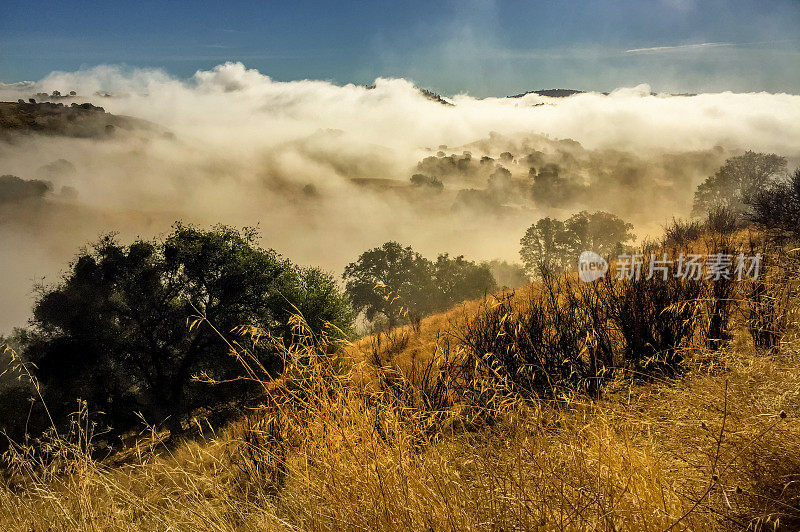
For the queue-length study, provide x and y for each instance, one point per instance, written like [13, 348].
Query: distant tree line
[748, 188]
[13, 188]
[399, 284]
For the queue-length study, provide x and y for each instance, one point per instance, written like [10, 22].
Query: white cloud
[678, 48]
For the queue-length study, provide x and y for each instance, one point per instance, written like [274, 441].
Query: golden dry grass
[718, 449]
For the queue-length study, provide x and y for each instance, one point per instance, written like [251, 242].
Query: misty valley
[230, 302]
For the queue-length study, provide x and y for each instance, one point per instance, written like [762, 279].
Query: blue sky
[479, 47]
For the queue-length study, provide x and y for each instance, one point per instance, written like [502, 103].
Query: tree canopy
[397, 282]
[736, 183]
[556, 244]
[116, 330]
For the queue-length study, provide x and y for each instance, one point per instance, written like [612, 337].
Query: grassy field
[378, 439]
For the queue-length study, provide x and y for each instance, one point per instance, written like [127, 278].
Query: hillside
[396, 440]
[551, 93]
[71, 120]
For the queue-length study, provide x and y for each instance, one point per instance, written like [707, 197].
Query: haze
[301, 160]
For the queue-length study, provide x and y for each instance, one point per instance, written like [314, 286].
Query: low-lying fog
[325, 171]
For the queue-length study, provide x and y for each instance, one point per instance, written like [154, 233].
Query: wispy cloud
[680, 47]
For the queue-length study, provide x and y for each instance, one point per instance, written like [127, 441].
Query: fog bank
[324, 170]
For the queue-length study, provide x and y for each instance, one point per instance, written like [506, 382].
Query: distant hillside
[552, 93]
[563, 93]
[76, 120]
[425, 92]
[434, 96]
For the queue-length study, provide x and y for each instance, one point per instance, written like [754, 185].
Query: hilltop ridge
[83, 120]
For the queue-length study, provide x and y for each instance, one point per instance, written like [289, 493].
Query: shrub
[769, 299]
[722, 220]
[719, 294]
[656, 318]
[777, 208]
[576, 335]
[679, 234]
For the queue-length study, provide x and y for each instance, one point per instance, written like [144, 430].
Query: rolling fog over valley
[324, 171]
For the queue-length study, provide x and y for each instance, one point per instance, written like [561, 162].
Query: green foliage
[545, 244]
[398, 282]
[316, 296]
[387, 279]
[117, 333]
[457, 279]
[556, 245]
[737, 182]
